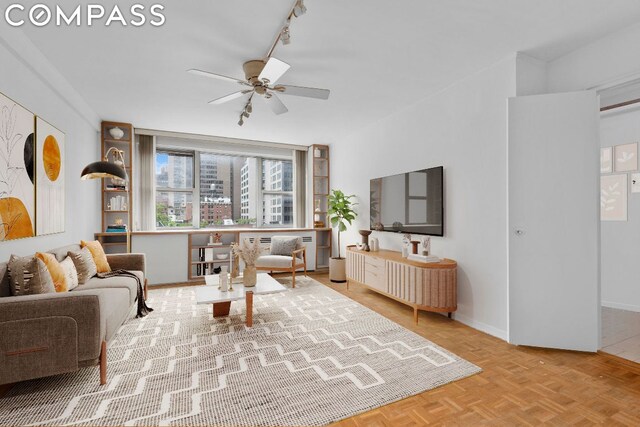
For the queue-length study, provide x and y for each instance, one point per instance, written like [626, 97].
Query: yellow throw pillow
[99, 257]
[56, 271]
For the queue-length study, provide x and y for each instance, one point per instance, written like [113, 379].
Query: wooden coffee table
[210, 294]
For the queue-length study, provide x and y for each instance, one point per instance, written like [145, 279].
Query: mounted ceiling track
[619, 93]
[261, 76]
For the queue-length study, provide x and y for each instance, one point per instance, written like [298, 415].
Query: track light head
[241, 121]
[299, 9]
[285, 36]
[249, 108]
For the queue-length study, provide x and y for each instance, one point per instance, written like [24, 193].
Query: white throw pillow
[70, 273]
[284, 245]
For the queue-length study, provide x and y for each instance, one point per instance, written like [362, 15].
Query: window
[277, 191]
[234, 191]
[223, 186]
[174, 189]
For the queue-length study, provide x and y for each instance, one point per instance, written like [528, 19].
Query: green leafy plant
[341, 212]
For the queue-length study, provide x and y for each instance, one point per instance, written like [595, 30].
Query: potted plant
[340, 213]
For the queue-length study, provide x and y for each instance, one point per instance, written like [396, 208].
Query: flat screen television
[411, 202]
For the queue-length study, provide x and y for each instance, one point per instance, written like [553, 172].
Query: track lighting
[299, 9]
[285, 36]
[241, 121]
[249, 108]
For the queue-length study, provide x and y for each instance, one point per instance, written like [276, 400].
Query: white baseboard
[620, 306]
[482, 327]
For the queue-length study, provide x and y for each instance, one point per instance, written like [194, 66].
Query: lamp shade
[103, 170]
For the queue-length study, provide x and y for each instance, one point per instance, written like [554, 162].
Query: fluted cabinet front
[431, 288]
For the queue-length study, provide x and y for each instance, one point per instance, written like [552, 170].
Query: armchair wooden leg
[103, 363]
[293, 282]
[146, 283]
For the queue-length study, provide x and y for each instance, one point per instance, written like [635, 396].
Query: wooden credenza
[428, 287]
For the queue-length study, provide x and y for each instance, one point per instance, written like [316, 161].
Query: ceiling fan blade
[217, 76]
[230, 97]
[273, 70]
[275, 104]
[309, 92]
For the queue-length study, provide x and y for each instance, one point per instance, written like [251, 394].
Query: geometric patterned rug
[313, 357]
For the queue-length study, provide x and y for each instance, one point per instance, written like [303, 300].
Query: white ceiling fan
[261, 78]
[261, 75]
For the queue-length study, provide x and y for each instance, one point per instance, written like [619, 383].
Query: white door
[554, 221]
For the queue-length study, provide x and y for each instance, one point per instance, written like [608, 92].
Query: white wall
[603, 62]
[621, 239]
[464, 129]
[27, 78]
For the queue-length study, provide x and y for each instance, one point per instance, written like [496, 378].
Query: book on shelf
[117, 228]
[116, 187]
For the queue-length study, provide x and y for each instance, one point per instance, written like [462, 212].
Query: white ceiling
[376, 57]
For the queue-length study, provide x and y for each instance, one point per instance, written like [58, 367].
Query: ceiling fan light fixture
[299, 9]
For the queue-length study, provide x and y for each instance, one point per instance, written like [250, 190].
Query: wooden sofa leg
[146, 282]
[103, 363]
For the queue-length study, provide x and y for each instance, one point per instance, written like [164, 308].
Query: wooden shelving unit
[202, 256]
[122, 200]
[321, 186]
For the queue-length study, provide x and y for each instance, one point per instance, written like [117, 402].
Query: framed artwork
[626, 157]
[606, 160]
[613, 197]
[50, 170]
[635, 182]
[17, 189]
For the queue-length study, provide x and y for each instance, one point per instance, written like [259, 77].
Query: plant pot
[249, 276]
[338, 270]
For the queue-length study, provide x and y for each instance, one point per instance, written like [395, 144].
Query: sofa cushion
[55, 269]
[99, 257]
[61, 252]
[285, 245]
[85, 266]
[274, 261]
[29, 276]
[70, 273]
[115, 310]
[124, 282]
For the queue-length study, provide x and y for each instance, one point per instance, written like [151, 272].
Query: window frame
[263, 192]
[194, 190]
[259, 192]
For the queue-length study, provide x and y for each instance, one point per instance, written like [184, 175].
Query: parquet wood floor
[519, 386]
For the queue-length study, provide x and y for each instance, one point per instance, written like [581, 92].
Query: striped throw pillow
[85, 266]
[29, 276]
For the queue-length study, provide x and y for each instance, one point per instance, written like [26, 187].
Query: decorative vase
[365, 238]
[116, 133]
[249, 278]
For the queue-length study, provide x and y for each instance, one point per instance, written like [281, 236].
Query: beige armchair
[286, 254]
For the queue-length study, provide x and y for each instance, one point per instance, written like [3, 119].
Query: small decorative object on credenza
[426, 245]
[374, 244]
[249, 251]
[341, 213]
[365, 239]
[406, 242]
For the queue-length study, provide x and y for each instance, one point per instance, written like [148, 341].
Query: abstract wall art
[613, 197]
[606, 160]
[50, 170]
[626, 157]
[17, 177]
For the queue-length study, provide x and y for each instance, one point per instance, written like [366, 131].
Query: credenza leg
[415, 315]
[347, 284]
[449, 315]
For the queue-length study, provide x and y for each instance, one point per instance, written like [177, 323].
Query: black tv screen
[411, 202]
